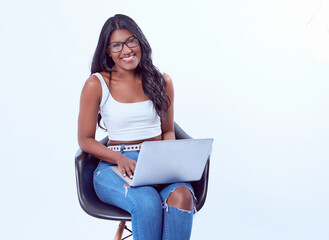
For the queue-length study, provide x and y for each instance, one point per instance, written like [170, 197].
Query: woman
[135, 102]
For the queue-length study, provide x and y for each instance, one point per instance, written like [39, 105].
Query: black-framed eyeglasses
[131, 42]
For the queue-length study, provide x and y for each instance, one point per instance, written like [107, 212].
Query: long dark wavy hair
[153, 83]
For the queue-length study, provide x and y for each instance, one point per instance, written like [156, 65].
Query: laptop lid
[171, 161]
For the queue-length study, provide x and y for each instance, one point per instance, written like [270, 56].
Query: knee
[149, 201]
[181, 198]
[153, 205]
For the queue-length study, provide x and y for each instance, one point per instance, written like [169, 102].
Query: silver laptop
[170, 161]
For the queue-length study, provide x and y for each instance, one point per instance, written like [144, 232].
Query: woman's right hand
[126, 166]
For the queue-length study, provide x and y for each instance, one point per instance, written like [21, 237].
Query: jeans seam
[166, 208]
[166, 227]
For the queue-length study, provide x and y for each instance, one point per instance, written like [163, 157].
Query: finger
[133, 166]
[123, 172]
[130, 174]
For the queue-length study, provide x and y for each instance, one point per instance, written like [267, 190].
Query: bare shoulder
[93, 82]
[92, 88]
[169, 85]
[167, 78]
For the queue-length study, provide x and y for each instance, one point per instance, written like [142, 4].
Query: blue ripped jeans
[152, 218]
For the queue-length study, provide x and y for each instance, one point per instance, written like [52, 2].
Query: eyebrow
[123, 41]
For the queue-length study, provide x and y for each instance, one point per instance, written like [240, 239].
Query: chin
[130, 67]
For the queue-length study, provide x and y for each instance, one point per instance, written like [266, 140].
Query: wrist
[118, 157]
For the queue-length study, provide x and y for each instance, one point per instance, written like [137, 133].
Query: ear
[108, 51]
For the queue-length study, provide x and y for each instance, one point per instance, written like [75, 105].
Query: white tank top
[128, 121]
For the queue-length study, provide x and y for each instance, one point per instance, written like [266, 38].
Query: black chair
[85, 164]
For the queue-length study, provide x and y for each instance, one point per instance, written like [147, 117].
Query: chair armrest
[180, 133]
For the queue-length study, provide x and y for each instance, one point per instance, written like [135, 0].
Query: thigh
[113, 190]
[107, 183]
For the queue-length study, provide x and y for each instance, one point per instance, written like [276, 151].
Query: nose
[126, 49]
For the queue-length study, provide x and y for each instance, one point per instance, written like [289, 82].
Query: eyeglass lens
[118, 46]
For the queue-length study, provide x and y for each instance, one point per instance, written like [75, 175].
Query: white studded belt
[126, 147]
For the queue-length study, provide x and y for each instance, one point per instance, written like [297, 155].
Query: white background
[251, 74]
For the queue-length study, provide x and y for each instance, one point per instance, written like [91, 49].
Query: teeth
[128, 58]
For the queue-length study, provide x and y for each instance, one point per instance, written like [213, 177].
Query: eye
[133, 42]
[115, 45]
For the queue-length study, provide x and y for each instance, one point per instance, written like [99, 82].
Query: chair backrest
[200, 187]
[85, 164]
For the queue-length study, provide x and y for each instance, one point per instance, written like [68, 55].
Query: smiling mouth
[129, 58]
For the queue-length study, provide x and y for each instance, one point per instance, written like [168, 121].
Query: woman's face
[126, 58]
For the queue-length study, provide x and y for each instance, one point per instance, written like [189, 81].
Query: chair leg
[120, 229]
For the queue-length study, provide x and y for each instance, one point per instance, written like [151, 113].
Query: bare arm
[89, 106]
[167, 127]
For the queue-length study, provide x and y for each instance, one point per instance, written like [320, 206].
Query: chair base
[122, 226]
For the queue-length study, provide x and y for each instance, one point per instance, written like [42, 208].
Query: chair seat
[104, 211]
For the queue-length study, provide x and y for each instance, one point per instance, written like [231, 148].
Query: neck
[124, 74]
